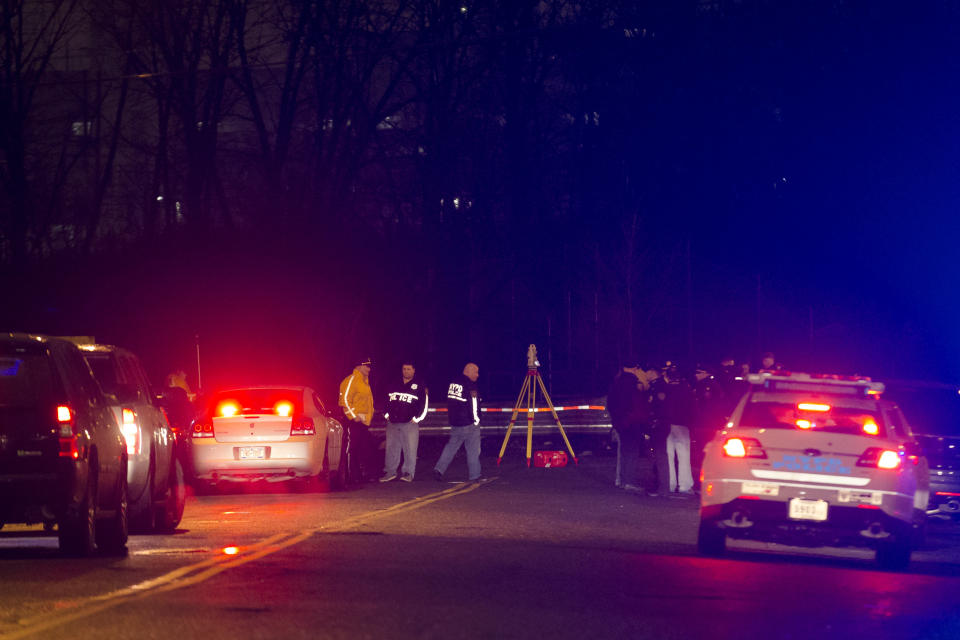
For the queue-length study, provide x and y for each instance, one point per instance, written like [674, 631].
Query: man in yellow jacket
[356, 401]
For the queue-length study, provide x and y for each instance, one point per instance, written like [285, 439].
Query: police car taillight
[743, 448]
[880, 458]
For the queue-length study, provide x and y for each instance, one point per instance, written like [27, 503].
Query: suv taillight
[202, 429]
[131, 430]
[302, 426]
[67, 433]
[880, 458]
[743, 448]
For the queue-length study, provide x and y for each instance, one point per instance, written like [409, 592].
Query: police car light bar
[822, 383]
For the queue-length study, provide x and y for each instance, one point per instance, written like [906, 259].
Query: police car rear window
[825, 418]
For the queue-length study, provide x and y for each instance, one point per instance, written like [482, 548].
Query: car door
[330, 427]
[153, 422]
[85, 394]
[916, 477]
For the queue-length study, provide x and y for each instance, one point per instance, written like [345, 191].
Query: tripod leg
[531, 410]
[513, 418]
[557, 418]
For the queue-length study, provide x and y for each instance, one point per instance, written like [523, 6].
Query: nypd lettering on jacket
[455, 392]
[406, 402]
[462, 402]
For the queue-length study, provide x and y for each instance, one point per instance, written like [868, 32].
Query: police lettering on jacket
[406, 402]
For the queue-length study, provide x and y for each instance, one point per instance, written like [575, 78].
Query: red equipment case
[549, 458]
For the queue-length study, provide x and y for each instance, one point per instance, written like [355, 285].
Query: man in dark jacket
[406, 408]
[463, 411]
[628, 403]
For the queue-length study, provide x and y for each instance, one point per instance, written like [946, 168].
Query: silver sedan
[273, 434]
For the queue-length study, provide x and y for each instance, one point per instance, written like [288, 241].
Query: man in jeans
[406, 408]
[463, 411]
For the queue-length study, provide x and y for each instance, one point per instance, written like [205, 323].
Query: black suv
[63, 459]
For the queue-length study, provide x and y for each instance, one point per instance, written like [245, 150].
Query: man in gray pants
[406, 407]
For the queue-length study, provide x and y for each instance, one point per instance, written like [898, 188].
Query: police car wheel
[895, 554]
[711, 538]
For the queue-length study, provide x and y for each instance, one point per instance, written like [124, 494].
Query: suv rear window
[104, 370]
[782, 415]
[257, 400]
[27, 377]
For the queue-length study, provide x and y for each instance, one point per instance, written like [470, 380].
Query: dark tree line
[542, 166]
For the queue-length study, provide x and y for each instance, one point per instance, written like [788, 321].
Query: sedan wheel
[340, 479]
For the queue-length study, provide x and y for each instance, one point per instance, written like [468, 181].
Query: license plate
[802, 509]
[251, 453]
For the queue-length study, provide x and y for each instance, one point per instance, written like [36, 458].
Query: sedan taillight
[202, 429]
[302, 426]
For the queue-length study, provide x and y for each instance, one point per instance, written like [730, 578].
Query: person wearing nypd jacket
[406, 408]
[463, 411]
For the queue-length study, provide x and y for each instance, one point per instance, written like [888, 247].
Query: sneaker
[632, 488]
[387, 477]
[437, 475]
[406, 477]
[479, 480]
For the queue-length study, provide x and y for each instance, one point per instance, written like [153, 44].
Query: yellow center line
[206, 569]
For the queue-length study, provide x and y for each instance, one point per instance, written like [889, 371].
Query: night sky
[795, 173]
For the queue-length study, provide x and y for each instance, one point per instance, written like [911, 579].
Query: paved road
[530, 553]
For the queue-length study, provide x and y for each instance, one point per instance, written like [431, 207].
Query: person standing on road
[356, 401]
[629, 406]
[406, 407]
[463, 411]
[674, 406]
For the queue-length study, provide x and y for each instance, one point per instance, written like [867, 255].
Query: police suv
[815, 460]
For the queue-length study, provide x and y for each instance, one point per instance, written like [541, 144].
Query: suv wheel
[170, 512]
[112, 533]
[711, 538]
[78, 527]
[143, 508]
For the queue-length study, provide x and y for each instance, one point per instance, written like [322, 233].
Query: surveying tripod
[529, 390]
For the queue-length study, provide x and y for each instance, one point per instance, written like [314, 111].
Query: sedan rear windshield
[259, 401]
[781, 415]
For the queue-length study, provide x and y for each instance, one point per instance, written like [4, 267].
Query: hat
[366, 362]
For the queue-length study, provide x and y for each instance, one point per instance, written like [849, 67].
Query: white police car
[815, 460]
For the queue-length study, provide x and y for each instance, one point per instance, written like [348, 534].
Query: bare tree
[32, 36]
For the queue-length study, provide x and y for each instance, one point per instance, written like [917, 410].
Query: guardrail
[579, 418]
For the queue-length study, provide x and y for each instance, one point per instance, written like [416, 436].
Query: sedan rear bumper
[298, 457]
